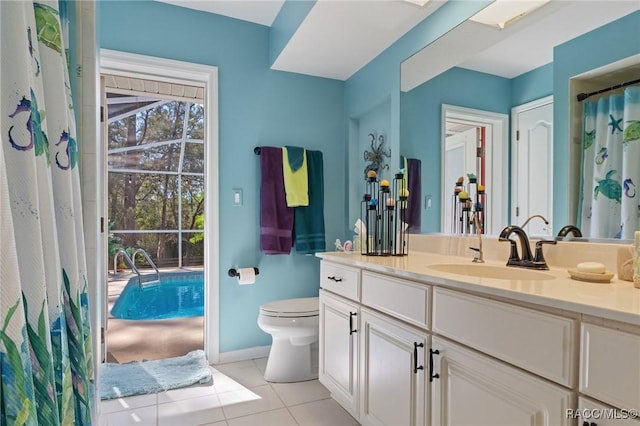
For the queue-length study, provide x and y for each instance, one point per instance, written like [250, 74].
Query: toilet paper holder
[234, 272]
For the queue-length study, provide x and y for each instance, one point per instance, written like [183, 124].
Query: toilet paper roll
[246, 276]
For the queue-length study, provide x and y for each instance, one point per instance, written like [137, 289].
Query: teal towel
[296, 157]
[309, 220]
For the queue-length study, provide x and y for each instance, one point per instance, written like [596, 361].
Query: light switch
[237, 197]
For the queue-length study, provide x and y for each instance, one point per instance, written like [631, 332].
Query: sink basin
[490, 271]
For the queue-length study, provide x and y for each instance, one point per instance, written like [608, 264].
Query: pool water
[179, 294]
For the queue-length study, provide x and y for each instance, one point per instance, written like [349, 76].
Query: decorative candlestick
[383, 208]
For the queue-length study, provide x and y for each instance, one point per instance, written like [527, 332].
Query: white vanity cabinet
[393, 389]
[610, 367]
[397, 351]
[338, 346]
[472, 389]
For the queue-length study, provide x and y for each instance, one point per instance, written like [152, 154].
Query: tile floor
[238, 395]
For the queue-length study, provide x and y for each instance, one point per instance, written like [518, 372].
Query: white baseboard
[245, 354]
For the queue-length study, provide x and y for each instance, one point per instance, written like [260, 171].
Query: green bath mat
[142, 377]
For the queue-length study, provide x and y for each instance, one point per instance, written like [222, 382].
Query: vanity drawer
[340, 279]
[405, 300]
[610, 366]
[542, 343]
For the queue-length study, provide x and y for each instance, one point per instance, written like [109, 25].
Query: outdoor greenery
[156, 180]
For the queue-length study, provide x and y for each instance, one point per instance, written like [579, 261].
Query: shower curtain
[611, 166]
[45, 340]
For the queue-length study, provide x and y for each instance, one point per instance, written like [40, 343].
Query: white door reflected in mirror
[532, 165]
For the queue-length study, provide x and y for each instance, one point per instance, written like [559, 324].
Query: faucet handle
[477, 257]
[539, 256]
[514, 257]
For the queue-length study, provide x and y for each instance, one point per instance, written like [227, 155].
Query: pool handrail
[130, 262]
[148, 259]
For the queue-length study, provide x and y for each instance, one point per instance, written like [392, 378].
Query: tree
[152, 140]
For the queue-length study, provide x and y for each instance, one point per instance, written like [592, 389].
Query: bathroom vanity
[405, 344]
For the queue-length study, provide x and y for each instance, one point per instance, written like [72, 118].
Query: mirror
[483, 68]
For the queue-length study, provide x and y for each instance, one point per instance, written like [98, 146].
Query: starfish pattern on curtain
[610, 204]
[45, 338]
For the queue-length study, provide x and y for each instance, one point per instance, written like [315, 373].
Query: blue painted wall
[609, 43]
[532, 85]
[421, 131]
[257, 106]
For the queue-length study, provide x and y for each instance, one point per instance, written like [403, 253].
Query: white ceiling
[262, 12]
[339, 37]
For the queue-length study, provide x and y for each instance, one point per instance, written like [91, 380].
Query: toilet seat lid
[301, 307]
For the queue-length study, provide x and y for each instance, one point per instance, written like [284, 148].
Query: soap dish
[591, 276]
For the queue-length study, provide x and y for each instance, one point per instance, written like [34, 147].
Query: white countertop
[617, 300]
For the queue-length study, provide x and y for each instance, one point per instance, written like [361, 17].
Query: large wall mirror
[494, 68]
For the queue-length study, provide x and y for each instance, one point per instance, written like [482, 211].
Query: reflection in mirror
[532, 167]
[474, 145]
[611, 165]
[477, 66]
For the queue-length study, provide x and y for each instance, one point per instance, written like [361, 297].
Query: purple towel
[276, 218]
[413, 215]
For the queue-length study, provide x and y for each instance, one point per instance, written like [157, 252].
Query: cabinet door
[392, 372]
[592, 413]
[338, 346]
[610, 366]
[472, 389]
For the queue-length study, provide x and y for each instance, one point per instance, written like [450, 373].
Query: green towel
[296, 181]
[296, 157]
[309, 221]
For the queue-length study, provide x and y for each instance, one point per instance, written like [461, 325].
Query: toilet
[294, 326]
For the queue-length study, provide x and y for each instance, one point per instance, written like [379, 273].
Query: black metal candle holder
[465, 207]
[386, 233]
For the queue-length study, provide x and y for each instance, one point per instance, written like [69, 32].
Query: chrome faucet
[546, 222]
[527, 260]
[478, 257]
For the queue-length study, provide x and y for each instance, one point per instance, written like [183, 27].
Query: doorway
[177, 86]
[474, 141]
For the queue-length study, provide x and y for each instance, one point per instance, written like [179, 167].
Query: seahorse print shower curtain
[611, 166]
[45, 340]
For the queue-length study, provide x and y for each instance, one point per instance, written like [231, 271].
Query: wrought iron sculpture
[376, 155]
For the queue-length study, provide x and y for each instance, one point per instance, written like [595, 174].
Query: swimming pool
[179, 294]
